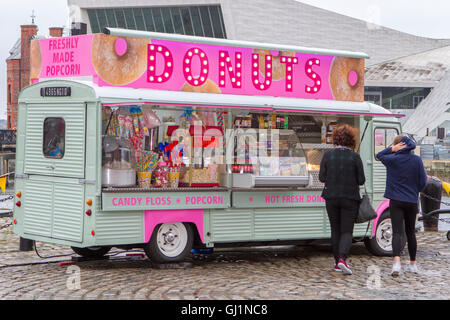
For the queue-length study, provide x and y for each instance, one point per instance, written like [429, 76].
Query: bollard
[432, 189]
[26, 244]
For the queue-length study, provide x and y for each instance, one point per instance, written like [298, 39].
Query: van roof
[129, 96]
[231, 43]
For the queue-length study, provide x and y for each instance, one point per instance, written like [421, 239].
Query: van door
[383, 136]
[55, 140]
[55, 165]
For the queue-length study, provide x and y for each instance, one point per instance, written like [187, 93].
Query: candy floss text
[166, 201]
[63, 58]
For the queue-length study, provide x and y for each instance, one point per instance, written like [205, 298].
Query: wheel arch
[380, 210]
[154, 218]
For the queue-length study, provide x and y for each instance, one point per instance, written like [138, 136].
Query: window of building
[397, 97]
[9, 94]
[373, 97]
[417, 100]
[111, 18]
[177, 21]
[139, 18]
[204, 21]
[120, 18]
[54, 138]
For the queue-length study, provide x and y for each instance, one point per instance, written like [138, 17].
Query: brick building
[18, 68]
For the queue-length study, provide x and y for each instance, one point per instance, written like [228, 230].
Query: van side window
[54, 138]
[383, 138]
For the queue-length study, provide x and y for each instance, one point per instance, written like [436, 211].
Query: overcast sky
[423, 18]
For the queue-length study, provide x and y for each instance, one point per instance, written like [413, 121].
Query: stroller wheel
[448, 235]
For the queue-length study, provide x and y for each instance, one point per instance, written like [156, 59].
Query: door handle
[51, 167]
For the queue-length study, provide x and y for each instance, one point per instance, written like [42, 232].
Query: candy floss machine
[118, 167]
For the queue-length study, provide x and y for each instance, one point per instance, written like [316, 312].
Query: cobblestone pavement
[285, 272]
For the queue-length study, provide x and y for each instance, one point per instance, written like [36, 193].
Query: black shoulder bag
[365, 211]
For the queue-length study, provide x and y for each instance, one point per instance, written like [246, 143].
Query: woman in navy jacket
[406, 177]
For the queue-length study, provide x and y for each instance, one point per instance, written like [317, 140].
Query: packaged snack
[151, 120]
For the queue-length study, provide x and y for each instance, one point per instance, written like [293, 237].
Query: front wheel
[91, 252]
[381, 244]
[170, 242]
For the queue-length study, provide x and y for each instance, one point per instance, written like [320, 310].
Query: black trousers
[342, 215]
[403, 218]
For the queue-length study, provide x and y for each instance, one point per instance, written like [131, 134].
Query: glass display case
[275, 161]
[118, 165]
[288, 152]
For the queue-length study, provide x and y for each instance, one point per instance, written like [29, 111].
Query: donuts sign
[192, 67]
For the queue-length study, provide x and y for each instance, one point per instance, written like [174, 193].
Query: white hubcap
[384, 235]
[172, 239]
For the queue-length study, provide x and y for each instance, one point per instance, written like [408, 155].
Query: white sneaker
[412, 268]
[396, 268]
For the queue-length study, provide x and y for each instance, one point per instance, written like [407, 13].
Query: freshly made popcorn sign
[181, 66]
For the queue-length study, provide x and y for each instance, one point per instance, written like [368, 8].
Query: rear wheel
[91, 252]
[170, 242]
[381, 244]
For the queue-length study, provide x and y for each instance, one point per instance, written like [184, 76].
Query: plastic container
[144, 179]
[161, 175]
[174, 178]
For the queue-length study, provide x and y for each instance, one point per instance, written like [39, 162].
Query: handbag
[365, 210]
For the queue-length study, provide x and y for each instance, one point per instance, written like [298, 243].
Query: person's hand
[398, 147]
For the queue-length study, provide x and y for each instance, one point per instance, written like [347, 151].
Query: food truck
[166, 142]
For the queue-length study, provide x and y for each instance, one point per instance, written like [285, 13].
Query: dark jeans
[342, 215]
[403, 218]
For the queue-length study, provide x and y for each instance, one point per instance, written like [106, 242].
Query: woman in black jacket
[342, 171]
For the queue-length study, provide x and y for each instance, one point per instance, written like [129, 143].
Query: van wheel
[170, 242]
[91, 252]
[381, 244]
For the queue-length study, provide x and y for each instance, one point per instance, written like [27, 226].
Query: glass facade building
[203, 21]
[396, 97]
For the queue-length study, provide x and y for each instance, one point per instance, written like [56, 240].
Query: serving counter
[118, 199]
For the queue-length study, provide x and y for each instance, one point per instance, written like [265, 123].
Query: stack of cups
[174, 177]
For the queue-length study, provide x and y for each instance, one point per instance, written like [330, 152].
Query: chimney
[78, 28]
[27, 33]
[55, 32]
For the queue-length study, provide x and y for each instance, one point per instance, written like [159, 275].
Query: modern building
[18, 68]
[402, 72]
[409, 84]
[273, 21]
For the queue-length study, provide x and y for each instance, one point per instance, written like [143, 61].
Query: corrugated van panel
[68, 205]
[119, 227]
[379, 177]
[231, 225]
[289, 223]
[37, 205]
[358, 230]
[72, 164]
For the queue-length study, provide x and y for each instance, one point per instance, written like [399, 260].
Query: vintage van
[65, 118]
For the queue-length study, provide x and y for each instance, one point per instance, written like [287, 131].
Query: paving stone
[283, 272]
